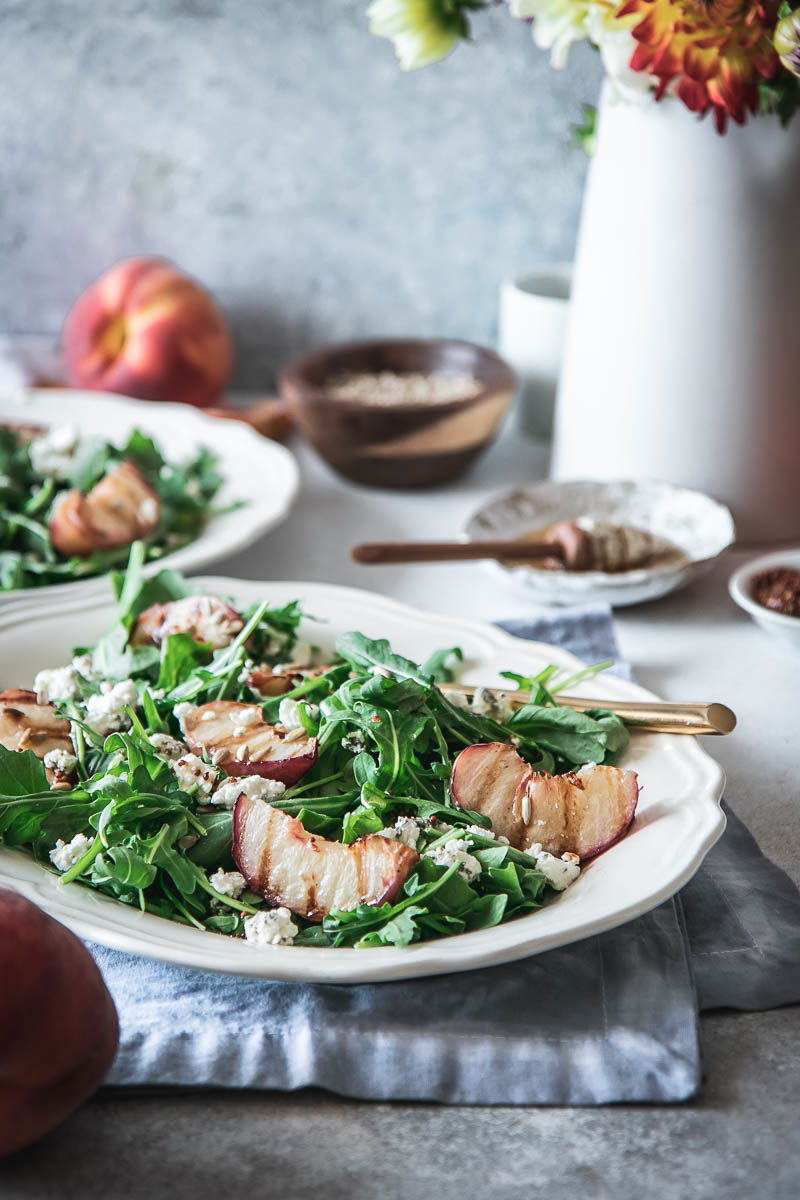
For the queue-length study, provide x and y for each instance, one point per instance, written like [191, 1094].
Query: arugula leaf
[441, 664]
[180, 655]
[367, 653]
[213, 850]
[575, 736]
[124, 867]
[398, 931]
[21, 773]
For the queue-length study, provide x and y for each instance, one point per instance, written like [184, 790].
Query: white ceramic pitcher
[682, 358]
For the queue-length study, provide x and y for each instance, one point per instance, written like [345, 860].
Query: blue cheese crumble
[56, 684]
[289, 713]
[243, 718]
[64, 855]
[52, 453]
[354, 742]
[105, 712]
[195, 775]
[405, 830]
[167, 747]
[253, 786]
[228, 883]
[559, 872]
[274, 927]
[455, 851]
[60, 760]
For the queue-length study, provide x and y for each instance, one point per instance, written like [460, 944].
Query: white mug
[532, 325]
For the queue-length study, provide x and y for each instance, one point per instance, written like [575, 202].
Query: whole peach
[146, 329]
[58, 1024]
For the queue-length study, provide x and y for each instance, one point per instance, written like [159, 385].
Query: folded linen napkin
[611, 1018]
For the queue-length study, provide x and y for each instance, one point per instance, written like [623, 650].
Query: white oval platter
[258, 472]
[678, 820]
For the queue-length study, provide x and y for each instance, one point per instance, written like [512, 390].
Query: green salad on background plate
[71, 505]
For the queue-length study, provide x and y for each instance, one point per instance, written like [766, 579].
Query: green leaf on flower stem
[584, 134]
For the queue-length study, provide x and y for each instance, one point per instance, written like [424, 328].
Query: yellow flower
[422, 31]
[711, 53]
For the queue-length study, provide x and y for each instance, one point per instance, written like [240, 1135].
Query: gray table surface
[740, 1137]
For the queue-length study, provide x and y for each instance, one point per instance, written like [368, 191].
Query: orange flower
[712, 52]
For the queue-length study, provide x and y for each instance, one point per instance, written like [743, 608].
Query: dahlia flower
[711, 53]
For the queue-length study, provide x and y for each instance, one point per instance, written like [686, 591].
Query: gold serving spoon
[654, 716]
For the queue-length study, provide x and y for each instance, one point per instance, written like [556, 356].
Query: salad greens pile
[387, 739]
[30, 489]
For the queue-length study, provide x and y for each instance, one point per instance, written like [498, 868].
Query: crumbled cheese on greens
[64, 855]
[559, 872]
[166, 746]
[252, 786]
[289, 713]
[52, 453]
[193, 774]
[272, 928]
[228, 883]
[405, 830]
[60, 760]
[354, 742]
[182, 710]
[104, 712]
[56, 684]
[455, 851]
[488, 833]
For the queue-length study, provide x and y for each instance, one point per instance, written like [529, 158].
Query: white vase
[682, 359]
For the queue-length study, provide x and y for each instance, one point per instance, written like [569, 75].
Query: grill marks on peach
[584, 812]
[263, 749]
[27, 725]
[308, 874]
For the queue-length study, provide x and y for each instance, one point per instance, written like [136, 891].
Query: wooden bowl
[405, 444]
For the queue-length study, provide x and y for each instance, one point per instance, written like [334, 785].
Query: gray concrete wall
[272, 148]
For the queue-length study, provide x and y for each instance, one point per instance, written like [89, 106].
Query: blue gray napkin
[612, 1018]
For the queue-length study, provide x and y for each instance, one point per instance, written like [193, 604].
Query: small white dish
[740, 586]
[677, 821]
[698, 526]
[257, 471]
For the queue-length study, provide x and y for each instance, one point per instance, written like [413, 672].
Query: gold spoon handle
[651, 715]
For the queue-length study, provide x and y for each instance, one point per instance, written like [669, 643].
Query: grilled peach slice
[308, 874]
[584, 811]
[119, 509]
[207, 619]
[267, 682]
[241, 742]
[27, 725]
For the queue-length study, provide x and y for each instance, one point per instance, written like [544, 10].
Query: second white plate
[258, 472]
